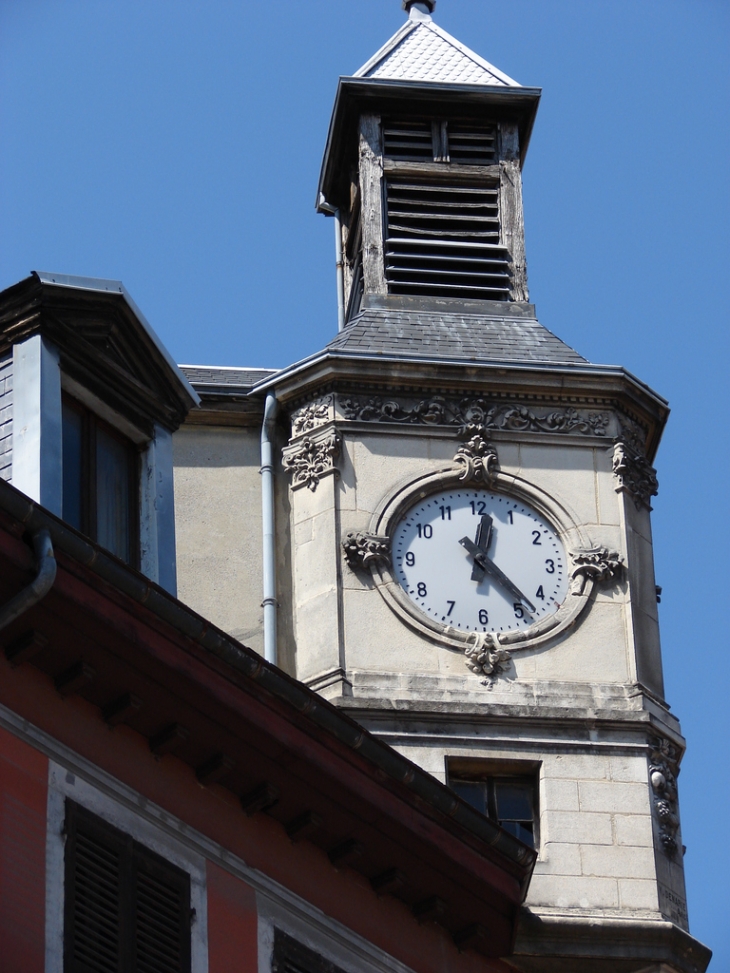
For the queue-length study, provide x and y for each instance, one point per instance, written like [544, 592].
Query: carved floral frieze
[634, 473]
[307, 460]
[361, 549]
[597, 564]
[472, 414]
[478, 460]
[314, 414]
[663, 771]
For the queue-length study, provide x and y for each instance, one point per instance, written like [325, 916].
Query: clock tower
[464, 547]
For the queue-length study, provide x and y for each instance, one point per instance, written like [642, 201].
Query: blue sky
[176, 146]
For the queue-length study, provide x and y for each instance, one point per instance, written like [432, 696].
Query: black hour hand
[482, 540]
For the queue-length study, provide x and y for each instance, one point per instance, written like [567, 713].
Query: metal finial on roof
[425, 7]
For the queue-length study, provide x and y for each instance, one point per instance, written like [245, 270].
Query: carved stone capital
[307, 460]
[362, 549]
[478, 460]
[663, 771]
[487, 657]
[312, 415]
[598, 565]
[634, 473]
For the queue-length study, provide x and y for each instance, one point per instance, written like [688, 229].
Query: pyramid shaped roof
[422, 51]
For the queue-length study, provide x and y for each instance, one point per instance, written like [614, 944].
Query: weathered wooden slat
[371, 178]
[513, 220]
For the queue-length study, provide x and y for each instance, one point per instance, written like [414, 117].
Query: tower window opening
[511, 802]
[460, 140]
[444, 240]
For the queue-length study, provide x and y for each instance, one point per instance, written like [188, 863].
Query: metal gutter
[271, 679]
[268, 511]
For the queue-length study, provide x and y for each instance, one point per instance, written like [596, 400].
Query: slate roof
[213, 379]
[422, 51]
[454, 336]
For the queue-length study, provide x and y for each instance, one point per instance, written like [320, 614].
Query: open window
[127, 910]
[100, 481]
[506, 793]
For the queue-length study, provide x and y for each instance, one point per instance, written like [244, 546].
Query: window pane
[72, 462]
[113, 520]
[514, 802]
[472, 793]
[521, 830]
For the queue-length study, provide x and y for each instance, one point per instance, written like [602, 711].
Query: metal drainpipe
[39, 587]
[325, 207]
[267, 508]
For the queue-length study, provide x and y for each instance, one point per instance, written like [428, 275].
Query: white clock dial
[479, 561]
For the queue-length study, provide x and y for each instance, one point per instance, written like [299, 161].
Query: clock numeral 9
[483, 617]
[425, 530]
[410, 559]
[422, 589]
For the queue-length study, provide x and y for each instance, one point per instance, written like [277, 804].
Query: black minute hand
[490, 567]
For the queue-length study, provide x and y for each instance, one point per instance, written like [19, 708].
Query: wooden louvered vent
[127, 909]
[461, 141]
[443, 240]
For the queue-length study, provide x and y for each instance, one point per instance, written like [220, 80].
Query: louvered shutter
[127, 909]
[291, 956]
[472, 144]
[408, 140]
[443, 240]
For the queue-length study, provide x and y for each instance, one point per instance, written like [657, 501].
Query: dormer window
[100, 481]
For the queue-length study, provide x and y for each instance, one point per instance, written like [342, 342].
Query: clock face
[479, 561]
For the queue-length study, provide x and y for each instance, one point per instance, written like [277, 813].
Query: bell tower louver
[423, 164]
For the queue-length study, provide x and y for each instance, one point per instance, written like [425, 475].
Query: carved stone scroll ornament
[634, 473]
[363, 549]
[471, 415]
[312, 415]
[663, 771]
[478, 460]
[597, 565]
[487, 657]
[308, 460]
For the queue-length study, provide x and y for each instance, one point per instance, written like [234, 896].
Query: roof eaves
[102, 285]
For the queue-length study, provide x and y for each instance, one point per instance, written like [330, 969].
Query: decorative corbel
[362, 549]
[308, 460]
[597, 565]
[634, 473]
[487, 657]
[478, 460]
[663, 771]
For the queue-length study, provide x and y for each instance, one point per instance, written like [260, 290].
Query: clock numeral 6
[421, 589]
[483, 617]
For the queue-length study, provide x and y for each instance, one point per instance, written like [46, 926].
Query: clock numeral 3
[550, 569]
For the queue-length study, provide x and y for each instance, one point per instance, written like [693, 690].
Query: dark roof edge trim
[291, 692]
[116, 287]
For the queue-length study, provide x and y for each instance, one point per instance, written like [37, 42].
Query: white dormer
[89, 399]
